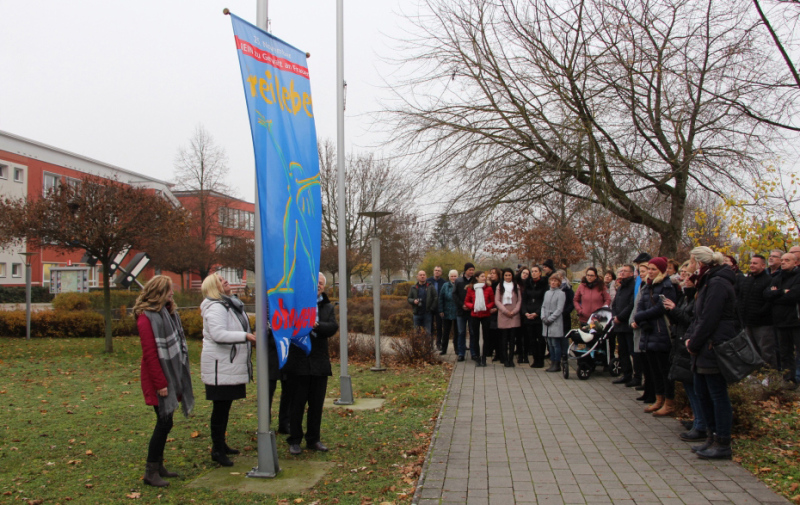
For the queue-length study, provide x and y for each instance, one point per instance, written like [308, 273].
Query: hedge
[16, 294]
[87, 323]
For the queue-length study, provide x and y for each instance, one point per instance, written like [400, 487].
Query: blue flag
[278, 94]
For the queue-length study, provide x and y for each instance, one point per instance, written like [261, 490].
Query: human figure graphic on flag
[300, 204]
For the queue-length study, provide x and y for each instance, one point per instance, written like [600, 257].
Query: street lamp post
[376, 285]
[27, 256]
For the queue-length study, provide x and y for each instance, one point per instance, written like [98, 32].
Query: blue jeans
[558, 347]
[697, 409]
[423, 321]
[462, 323]
[712, 394]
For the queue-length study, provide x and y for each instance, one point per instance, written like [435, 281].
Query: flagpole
[267, 449]
[345, 387]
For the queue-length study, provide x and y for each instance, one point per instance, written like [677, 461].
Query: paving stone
[567, 441]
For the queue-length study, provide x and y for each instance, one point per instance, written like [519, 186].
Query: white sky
[126, 82]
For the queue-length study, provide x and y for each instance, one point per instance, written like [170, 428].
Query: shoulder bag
[737, 358]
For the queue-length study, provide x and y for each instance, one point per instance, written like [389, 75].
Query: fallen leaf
[195, 434]
[134, 495]
[89, 453]
[236, 473]
[765, 469]
[89, 486]
[794, 487]
[35, 502]
[298, 500]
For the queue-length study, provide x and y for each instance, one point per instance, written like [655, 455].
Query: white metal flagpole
[346, 388]
[267, 449]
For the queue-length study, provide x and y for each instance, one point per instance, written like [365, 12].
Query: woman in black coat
[713, 324]
[656, 340]
[533, 291]
[681, 316]
[307, 377]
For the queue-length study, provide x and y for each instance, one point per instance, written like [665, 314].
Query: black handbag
[737, 358]
[681, 367]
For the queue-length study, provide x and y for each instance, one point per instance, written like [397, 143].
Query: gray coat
[637, 332]
[552, 308]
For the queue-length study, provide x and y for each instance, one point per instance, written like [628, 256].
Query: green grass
[771, 448]
[74, 428]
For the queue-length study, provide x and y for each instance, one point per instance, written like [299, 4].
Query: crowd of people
[226, 368]
[667, 319]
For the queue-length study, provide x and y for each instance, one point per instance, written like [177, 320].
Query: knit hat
[660, 263]
[468, 265]
[549, 264]
[642, 258]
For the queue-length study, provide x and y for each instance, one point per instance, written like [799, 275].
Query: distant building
[31, 169]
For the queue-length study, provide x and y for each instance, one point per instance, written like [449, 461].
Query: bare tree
[371, 184]
[201, 169]
[630, 101]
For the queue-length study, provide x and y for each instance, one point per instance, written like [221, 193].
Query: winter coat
[611, 287]
[152, 376]
[637, 332]
[427, 305]
[318, 361]
[508, 315]
[569, 306]
[493, 313]
[681, 317]
[488, 298]
[532, 298]
[441, 281]
[552, 313]
[225, 360]
[650, 315]
[447, 301]
[714, 317]
[784, 304]
[754, 309]
[460, 295]
[587, 300]
[622, 305]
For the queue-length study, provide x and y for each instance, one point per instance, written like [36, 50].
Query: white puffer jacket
[225, 360]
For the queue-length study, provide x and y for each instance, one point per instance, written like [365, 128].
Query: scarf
[173, 355]
[232, 302]
[508, 293]
[590, 285]
[480, 303]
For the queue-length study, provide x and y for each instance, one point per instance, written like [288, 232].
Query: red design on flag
[267, 57]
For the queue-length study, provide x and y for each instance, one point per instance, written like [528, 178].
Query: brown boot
[657, 405]
[163, 472]
[152, 477]
[667, 409]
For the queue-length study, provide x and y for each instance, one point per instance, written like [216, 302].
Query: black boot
[621, 380]
[633, 383]
[230, 451]
[555, 366]
[482, 362]
[218, 446]
[537, 363]
[720, 449]
[693, 434]
[163, 472]
[702, 447]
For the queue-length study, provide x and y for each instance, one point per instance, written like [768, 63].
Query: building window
[75, 183]
[19, 175]
[16, 270]
[51, 181]
[2, 270]
[3, 171]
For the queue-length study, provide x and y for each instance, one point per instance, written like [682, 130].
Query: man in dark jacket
[422, 296]
[621, 308]
[308, 377]
[784, 294]
[462, 313]
[436, 320]
[756, 311]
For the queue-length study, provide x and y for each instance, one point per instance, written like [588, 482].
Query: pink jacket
[589, 300]
[507, 315]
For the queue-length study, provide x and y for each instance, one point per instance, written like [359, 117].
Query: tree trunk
[669, 242]
[107, 304]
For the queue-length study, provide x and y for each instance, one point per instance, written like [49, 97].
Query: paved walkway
[566, 441]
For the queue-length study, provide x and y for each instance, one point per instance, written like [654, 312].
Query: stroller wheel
[584, 371]
[615, 368]
[565, 369]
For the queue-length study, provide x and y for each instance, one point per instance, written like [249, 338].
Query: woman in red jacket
[591, 295]
[480, 302]
[166, 380]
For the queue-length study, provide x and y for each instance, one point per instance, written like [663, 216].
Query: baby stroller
[590, 346]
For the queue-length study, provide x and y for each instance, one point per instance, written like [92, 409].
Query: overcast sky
[126, 82]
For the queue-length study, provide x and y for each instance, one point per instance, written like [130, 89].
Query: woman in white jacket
[225, 365]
